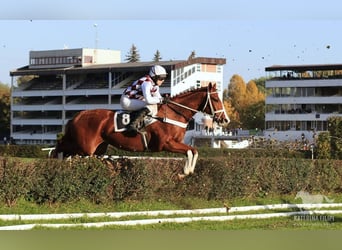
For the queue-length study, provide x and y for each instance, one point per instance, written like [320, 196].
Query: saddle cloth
[122, 118]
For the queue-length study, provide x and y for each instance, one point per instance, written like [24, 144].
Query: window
[198, 67]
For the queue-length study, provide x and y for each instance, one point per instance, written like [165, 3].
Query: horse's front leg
[190, 152]
[189, 167]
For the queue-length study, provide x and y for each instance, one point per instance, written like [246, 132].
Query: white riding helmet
[157, 70]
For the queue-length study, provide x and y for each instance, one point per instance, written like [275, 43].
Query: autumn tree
[260, 83]
[231, 112]
[157, 57]
[237, 92]
[245, 104]
[133, 54]
[253, 93]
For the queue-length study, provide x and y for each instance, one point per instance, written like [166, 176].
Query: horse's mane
[189, 91]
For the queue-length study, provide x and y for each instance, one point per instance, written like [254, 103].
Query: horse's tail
[61, 140]
[67, 127]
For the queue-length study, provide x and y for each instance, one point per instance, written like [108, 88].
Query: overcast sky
[251, 35]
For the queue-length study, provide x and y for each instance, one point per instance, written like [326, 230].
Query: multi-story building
[300, 99]
[59, 83]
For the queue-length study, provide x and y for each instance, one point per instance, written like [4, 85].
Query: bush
[27, 151]
[15, 180]
[70, 180]
[217, 178]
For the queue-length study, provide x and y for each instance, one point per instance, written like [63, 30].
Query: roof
[302, 68]
[115, 67]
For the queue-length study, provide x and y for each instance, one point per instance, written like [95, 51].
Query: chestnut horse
[91, 131]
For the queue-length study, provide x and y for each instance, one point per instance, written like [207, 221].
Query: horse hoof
[181, 177]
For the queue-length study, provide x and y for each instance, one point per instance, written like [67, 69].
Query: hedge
[35, 151]
[216, 178]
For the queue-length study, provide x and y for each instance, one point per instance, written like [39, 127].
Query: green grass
[25, 207]
[246, 224]
[83, 206]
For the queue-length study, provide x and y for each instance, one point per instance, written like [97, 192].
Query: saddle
[123, 117]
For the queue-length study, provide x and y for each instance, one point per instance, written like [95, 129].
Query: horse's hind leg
[101, 149]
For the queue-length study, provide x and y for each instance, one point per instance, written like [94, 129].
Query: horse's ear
[212, 86]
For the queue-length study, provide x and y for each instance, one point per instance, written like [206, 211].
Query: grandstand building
[59, 83]
[300, 100]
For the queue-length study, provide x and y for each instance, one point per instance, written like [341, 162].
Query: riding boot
[137, 118]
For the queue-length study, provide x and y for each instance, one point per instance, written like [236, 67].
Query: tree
[5, 108]
[157, 57]
[335, 130]
[253, 93]
[329, 144]
[323, 148]
[237, 93]
[232, 114]
[260, 83]
[253, 116]
[133, 54]
[192, 55]
[245, 104]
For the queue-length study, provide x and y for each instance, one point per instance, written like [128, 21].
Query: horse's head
[214, 106]
[205, 99]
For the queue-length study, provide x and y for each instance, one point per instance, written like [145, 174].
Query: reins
[213, 112]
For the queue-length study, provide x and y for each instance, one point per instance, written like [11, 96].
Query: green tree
[157, 57]
[133, 54]
[335, 130]
[261, 83]
[329, 144]
[5, 108]
[192, 55]
[323, 148]
[253, 116]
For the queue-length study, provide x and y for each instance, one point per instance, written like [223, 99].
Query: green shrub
[130, 181]
[215, 178]
[15, 180]
[70, 180]
[27, 151]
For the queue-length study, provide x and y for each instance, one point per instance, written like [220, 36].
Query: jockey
[142, 96]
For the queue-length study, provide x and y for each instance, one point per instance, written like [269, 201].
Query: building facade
[59, 83]
[300, 99]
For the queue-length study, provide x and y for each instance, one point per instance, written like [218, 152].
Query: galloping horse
[91, 131]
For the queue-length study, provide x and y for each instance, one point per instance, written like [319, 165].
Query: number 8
[125, 119]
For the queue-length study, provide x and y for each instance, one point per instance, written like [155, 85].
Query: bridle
[207, 102]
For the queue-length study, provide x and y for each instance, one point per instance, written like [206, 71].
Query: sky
[250, 35]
